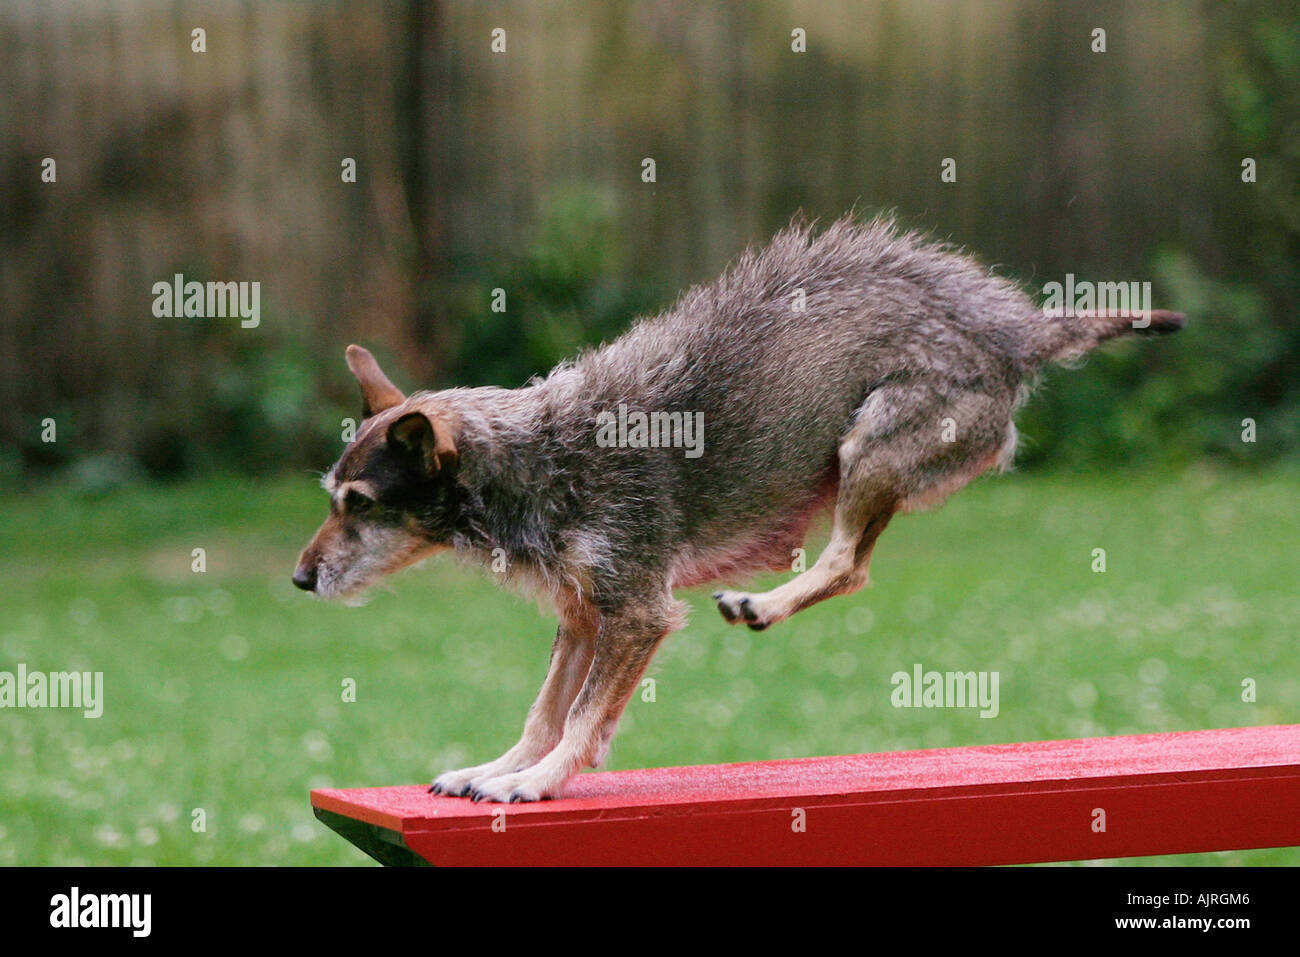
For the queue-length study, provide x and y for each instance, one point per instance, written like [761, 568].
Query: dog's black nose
[305, 578]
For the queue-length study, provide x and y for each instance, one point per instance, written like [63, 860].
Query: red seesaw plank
[1001, 804]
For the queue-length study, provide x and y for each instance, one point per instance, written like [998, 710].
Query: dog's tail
[1072, 336]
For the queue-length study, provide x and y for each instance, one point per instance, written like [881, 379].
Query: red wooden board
[999, 804]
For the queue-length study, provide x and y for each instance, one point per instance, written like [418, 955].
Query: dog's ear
[377, 391]
[428, 440]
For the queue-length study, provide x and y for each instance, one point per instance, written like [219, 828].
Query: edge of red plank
[1218, 764]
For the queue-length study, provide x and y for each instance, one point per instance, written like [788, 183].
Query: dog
[863, 369]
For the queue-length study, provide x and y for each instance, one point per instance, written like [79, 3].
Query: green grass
[223, 689]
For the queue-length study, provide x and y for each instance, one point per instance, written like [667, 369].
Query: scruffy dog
[862, 369]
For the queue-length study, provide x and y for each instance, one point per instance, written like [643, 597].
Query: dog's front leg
[570, 660]
[625, 643]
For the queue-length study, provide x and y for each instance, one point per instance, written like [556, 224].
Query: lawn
[223, 689]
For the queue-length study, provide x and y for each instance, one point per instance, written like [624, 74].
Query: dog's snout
[305, 577]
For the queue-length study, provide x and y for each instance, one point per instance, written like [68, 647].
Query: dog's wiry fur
[892, 388]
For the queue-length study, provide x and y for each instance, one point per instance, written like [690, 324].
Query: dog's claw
[449, 788]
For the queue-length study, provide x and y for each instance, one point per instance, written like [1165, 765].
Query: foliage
[563, 293]
[1239, 358]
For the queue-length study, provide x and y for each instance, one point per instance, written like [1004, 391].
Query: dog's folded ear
[430, 442]
[377, 391]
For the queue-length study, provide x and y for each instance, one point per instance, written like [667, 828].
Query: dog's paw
[453, 783]
[517, 788]
[738, 606]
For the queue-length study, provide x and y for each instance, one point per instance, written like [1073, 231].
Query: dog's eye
[357, 501]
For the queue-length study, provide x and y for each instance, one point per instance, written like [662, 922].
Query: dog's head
[392, 492]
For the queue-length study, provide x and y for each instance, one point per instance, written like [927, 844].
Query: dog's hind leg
[625, 644]
[905, 444]
[570, 660]
[860, 516]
